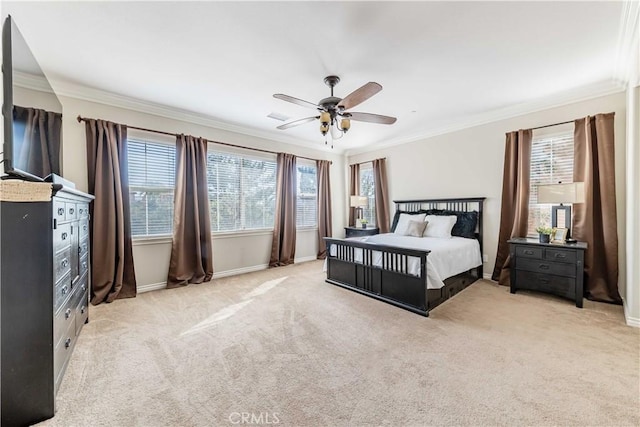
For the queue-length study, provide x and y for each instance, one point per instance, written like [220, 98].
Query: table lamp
[358, 202]
[562, 193]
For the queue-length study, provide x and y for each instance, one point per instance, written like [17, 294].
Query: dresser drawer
[61, 292]
[84, 228]
[61, 264]
[83, 210]
[546, 267]
[62, 353]
[84, 265]
[59, 210]
[558, 285]
[71, 211]
[61, 237]
[560, 255]
[529, 252]
[62, 320]
[83, 248]
[82, 311]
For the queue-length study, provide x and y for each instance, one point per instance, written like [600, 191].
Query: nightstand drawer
[529, 252]
[546, 267]
[561, 286]
[560, 255]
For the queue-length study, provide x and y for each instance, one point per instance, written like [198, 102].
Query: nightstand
[359, 232]
[555, 268]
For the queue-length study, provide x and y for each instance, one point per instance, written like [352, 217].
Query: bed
[416, 274]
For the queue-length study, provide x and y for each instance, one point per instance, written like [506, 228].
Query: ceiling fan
[334, 116]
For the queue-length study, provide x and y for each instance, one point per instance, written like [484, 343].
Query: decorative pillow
[403, 222]
[466, 222]
[439, 226]
[416, 228]
[396, 217]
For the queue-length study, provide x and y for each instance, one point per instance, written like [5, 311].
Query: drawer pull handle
[84, 228]
[64, 236]
[545, 281]
[82, 309]
[71, 210]
[543, 267]
[65, 262]
[84, 265]
[67, 313]
[84, 288]
[527, 252]
[80, 211]
[67, 343]
[64, 290]
[60, 211]
[561, 256]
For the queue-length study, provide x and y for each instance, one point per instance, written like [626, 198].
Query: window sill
[307, 229]
[241, 233]
[151, 240]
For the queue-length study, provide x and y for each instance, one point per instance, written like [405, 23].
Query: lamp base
[570, 241]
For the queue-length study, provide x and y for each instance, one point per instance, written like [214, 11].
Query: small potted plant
[544, 233]
[364, 222]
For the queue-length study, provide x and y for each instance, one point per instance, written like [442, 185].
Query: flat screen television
[32, 112]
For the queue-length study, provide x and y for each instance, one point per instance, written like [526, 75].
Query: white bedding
[448, 257]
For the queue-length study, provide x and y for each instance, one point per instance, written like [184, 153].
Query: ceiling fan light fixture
[325, 118]
[345, 124]
[336, 133]
[324, 128]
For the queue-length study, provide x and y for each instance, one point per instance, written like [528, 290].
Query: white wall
[232, 252]
[469, 163]
[632, 292]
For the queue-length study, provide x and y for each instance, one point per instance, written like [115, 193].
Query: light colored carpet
[289, 349]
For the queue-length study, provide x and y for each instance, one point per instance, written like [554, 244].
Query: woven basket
[23, 191]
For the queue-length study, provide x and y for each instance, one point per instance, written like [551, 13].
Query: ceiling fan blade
[296, 101]
[358, 96]
[372, 118]
[297, 122]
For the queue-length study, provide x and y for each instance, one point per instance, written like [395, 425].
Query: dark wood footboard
[391, 282]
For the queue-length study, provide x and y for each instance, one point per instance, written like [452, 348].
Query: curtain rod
[555, 124]
[367, 161]
[84, 119]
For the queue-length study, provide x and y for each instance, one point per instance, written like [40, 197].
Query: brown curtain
[113, 274]
[40, 132]
[324, 205]
[382, 194]
[594, 221]
[191, 248]
[283, 246]
[514, 218]
[354, 190]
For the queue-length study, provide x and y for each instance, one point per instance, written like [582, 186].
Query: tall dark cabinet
[44, 299]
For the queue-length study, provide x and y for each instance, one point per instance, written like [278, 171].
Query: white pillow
[403, 222]
[439, 226]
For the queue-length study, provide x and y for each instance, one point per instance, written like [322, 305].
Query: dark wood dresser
[44, 299]
[555, 268]
[359, 231]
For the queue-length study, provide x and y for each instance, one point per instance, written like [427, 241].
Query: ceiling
[442, 64]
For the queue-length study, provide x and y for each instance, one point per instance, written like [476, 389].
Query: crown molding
[32, 82]
[627, 52]
[86, 93]
[584, 93]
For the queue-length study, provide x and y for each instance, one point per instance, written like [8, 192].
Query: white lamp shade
[358, 201]
[561, 193]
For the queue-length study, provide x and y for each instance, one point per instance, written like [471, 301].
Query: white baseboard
[631, 321]
[233, 272]
[242, 270]
[486, 276]
[151, 287]
[305, 259]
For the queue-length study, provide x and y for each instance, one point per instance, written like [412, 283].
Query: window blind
[368, 189]
[241, 192]
[151, 168]
[551, 162]
[307, 195]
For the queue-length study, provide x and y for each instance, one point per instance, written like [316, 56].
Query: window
[152, 173]
[368, 189]
[551, 162]
[242, 192]
[307, 195]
